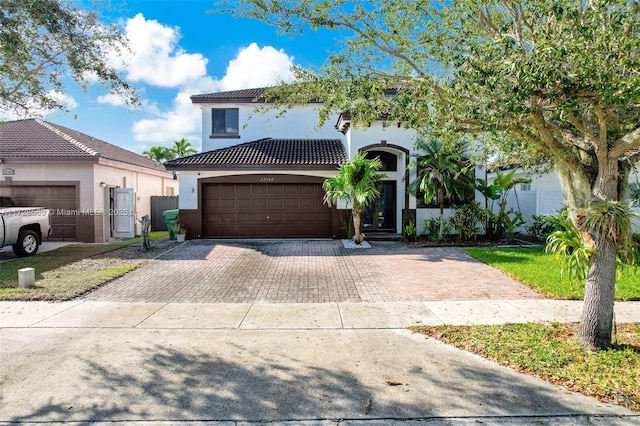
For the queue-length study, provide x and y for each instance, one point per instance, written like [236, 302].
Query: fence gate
[158, 205]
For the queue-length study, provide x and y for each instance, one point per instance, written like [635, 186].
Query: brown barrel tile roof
[269, 152]
[36, 138]
[233, 96]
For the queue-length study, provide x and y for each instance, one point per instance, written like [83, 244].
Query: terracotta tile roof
[269, 152]
[233, 96]
[35, 138]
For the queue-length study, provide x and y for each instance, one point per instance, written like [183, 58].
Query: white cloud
[182, 121]
[257, 67]
[252, 67]
[154, 56]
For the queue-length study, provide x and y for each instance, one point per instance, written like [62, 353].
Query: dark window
[389, 161]
[381, 215]
[224, 121]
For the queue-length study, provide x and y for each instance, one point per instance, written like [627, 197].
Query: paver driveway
[282, 271]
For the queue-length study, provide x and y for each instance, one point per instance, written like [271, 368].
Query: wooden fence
[158, 205]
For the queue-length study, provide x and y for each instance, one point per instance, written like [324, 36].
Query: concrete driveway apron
[303, 271]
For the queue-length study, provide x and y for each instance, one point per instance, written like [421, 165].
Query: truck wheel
[27, 244]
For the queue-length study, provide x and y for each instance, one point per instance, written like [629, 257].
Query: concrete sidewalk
[293, 316]
[308, 364]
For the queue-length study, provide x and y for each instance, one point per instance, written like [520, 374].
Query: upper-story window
[389, 161]
[224, 122]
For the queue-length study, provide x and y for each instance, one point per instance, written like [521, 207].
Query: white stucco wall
[301, 122]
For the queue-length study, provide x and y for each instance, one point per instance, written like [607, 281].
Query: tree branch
[625, 144]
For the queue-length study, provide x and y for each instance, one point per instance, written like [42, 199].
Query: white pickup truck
[23, 228]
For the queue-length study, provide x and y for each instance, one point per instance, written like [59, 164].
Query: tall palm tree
[358, 184]
[159, 153]
[182, 148]
[441, 172]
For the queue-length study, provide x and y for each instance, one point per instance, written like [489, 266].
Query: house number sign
[267, 179]
[8, 172]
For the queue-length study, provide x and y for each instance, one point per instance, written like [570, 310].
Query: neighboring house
[95, 190]
[260, 176]
[543, 196]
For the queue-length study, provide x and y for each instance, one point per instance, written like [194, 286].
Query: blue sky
[180, 50]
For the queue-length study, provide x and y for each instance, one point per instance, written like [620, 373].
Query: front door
[122, 219]
[381, 215]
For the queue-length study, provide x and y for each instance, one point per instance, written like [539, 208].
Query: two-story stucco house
[260, 176]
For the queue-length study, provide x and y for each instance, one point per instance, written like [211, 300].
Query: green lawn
[55, 281]
[542, 271]
[551, 352]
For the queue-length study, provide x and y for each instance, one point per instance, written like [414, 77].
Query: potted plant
[180, 231]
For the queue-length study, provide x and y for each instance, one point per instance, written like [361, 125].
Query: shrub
[466, 220]
[541, 227]
[410, 231]
[432, 228]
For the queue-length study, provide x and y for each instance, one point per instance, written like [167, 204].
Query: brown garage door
[57, 198]
[265, 210]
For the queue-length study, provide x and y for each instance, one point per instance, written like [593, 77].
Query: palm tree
[358, 184]
[441, 172]
[182, 148]
[159, 153]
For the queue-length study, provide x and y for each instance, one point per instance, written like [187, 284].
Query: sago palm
[358, 184]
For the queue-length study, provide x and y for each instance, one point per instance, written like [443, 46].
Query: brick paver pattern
[316, 271]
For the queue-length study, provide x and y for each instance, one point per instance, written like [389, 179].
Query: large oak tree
[46, 43]
[544, 80]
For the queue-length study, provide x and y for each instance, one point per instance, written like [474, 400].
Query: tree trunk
[145, 242]
[441, 197]
[596, 322]
[358, 238]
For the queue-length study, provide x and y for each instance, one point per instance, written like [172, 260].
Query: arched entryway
[385, 216]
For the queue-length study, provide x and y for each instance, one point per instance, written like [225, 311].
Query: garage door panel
[265, 210]
[291, 203]
[276, 204]
[259, 204]
[257, 189]
[60, 199]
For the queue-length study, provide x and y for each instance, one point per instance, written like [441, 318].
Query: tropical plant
[182, 148]
[501, 224]
[435, 229]
[467, 220]
[159, 153]
[357, 183]
[44, 42]
[541, 227]
[569, 246]
[410, 231]
[442, 172]
[178, 229]
[613, 221]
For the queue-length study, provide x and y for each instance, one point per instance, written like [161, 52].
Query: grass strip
[55, 282]
[65, 285]
[542, 271]
[550, 352]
